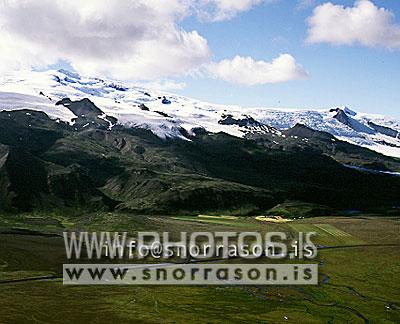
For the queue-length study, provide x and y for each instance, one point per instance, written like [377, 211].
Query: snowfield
[166, 114]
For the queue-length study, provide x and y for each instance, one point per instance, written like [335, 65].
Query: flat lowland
[358, 257]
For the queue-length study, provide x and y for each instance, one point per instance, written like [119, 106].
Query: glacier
[166, 114]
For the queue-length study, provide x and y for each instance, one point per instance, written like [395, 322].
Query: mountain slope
[146, 153]
[168, 115]
[134, 170]
[301, 138]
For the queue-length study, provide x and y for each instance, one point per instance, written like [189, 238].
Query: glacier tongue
[166, 114]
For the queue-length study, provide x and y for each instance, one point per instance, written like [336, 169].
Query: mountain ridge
[50, 164]
[168, 115]
[58, 153]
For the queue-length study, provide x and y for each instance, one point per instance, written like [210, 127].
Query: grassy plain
[359, 265]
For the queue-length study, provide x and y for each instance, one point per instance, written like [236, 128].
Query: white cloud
[132, 40]
[217, 10]
[247, 71]
[137, 40]
[364, 23]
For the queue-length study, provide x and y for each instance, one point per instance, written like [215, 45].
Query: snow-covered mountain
[167, 115]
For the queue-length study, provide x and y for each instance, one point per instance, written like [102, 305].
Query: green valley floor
[359, 267]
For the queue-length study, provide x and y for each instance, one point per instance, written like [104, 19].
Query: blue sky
[221, 51]
[366, 79]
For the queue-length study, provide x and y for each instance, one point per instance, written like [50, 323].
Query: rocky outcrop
[384, 130]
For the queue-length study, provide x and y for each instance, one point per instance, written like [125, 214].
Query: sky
[307, 54]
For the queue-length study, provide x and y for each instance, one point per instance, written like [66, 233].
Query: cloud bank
[247, 71]
[364, 23]
[132, 40]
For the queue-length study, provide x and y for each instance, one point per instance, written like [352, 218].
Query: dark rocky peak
[342, 117]
[384, 130]
[354, 124]
[345, 109]
[81, 107]
[246, 121]
[304, 131]
[88, 114]
[64, 101]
